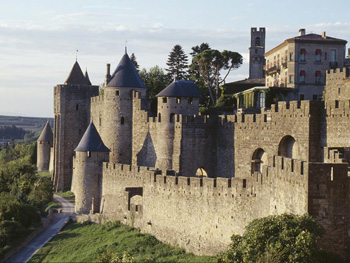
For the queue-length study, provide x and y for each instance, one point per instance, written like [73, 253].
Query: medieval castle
[194, 180]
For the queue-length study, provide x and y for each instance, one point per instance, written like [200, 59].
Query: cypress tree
[177, 63]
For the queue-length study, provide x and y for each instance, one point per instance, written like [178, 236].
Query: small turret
[44, 144]
[87, 171]
[180, 97]
[87, 77]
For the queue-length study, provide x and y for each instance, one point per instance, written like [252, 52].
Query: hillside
[88, 242]
[34, 124]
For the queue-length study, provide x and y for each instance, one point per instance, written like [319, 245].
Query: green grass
[86, 242]
[67, 195]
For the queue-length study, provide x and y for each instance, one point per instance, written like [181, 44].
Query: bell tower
[256, 53]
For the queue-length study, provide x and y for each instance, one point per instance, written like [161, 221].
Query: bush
[284, 238]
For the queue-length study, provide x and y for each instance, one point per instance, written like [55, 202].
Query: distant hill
[33, 124]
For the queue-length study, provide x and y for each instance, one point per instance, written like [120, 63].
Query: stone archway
[288, 147]
[259, 159]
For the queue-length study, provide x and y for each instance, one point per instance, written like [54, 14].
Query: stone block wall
[201, 214]
[72, 117]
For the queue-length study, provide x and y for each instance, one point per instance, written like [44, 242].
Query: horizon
[40, 39]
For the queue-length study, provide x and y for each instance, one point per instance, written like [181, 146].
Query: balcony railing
[273, 70]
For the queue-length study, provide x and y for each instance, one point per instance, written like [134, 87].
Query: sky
[39, 38]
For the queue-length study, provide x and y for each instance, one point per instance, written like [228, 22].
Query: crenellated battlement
[337, 74]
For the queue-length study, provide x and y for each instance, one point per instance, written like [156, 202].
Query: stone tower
[256, 53]
[44, 145]
[114, 114]
[87, 171]
[180, 97]
[72, 117]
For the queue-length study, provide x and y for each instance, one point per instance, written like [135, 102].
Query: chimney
[108, 74]
[324, 34]
[302, 32]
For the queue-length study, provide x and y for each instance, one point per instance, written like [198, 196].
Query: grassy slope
[86, 242]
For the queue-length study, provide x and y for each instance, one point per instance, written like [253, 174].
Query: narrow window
[291, 79]
[171, 117]
[122, 120]
[291, 56]
[302, 55]
[165, 100]
[318, 55]
[301, 97]
[117, 92]
[77, 107]
[302, 76]
[159, 117]
[178, 100]
[190, 101]
[89, 154]
[337, 104]
[318, 76]
[257, 41]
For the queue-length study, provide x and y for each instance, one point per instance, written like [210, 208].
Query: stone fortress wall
[289, 158]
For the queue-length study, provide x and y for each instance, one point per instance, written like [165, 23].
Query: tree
[155, 80]
[177, 63]
[134, 61]
[283, 238]
[208, 65]
[204, 100]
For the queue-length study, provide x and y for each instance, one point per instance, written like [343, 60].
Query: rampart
[201, 214]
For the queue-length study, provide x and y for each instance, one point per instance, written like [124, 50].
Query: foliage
[110, 257]
[209, 63]
[23, 194]
[204, 100]
[177, 63]
[94, 243]
[155, 80]
[134, 61]
[284, 238]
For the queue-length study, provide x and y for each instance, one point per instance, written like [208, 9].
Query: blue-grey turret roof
[91, 141]
[76, 76]
[126, 75]
[46, 135]
[180, 88]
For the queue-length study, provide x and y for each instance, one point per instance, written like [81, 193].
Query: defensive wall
[201, 214]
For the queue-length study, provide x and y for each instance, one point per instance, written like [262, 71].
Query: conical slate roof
[126, 75]
[46, 135]
[91, 141]
[76, 76]
[87, 77]
[180, 88]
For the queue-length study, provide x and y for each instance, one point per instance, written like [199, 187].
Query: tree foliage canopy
[209, 63]
[177, 63]
[284, 238]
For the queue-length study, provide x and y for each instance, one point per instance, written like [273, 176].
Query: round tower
[44, 144]
[115, 121]
[87, 171]
[180, 97]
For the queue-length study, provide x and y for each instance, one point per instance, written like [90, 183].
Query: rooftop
[126, 75]
[180, 88]
[46, 135]
[91, 141]
[76, 76]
